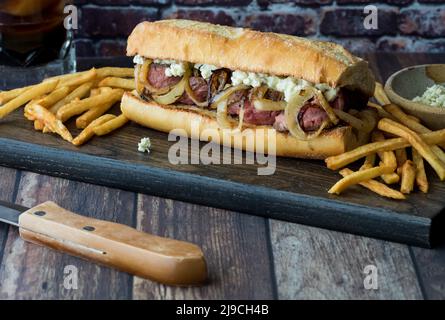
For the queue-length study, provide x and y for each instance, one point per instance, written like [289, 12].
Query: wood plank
[430, 264]
[235, 247]
[329, 265]
[114, 161]
[312, 263]
[29, 271]
[8, 179]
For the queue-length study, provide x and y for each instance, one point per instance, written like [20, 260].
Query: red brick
[112, 48]
[430, 46]
[423, 22]
[394, 44]
[84, 48]
[399, 44]
[349, 22]
[395, 2]
[295, 24]
[128, 2]
[218, 17]
[112, 22]
[214, 2]
[431, 1]
[312, 3]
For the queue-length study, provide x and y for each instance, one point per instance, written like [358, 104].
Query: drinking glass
[34, 43]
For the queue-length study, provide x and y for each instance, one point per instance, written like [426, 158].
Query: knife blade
[9, 213]
[115, 245]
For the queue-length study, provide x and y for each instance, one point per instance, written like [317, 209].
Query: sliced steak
[312, 115]
[199, 87]
[251, 115]
[236, 100]
[157, 77]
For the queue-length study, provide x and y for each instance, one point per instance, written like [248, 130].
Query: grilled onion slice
[325, 105]
[143, 80]
[222, 116]
[218, 81]
[220, 102]
[190, 92]
[268, 105]
[240, 119]
[291, 112]
[225, 94]
[175, 93]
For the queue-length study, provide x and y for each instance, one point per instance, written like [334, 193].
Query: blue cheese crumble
[144, 145]
[433, 96]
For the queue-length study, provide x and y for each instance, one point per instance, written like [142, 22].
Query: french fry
[39, 125]
[390, 178]
[421, 178]
[6, 96]
[350, 119]
[78, 80]
[78, 93]
[413, 118]
[388, 158]
[114, 82]
[105, 90]
[369, 161]
[27, 96]
[78, 107]
[382, 112]
[414, 125]
[359, 177]
[339, 161]
[88, 132]
[50, 121]
[416, 141]
[401, 156]
[115, 72]
[94, 92]
[54, 97]
[376, 187]
[110, 126]
[66, 77]
[380, 94]
[408, 177]
[84, 120]
[98, 91]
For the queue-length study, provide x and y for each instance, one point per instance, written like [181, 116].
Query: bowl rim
[409, 104]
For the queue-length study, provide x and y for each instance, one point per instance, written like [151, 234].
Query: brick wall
[404, 25]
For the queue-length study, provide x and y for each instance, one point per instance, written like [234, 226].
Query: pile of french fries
[400, 145]
[86, 96]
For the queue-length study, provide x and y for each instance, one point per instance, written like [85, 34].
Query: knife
[115, 245]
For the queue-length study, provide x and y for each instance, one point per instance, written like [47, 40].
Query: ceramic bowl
[411, 82]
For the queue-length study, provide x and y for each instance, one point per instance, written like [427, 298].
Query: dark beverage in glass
[31, 31]
[33, 41]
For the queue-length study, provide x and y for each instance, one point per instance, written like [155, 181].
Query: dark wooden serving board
[297, 191]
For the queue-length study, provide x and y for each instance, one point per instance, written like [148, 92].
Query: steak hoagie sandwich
[233, 78]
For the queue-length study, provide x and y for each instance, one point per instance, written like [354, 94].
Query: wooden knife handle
[164, 260]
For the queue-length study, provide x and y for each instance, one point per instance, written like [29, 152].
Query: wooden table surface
[248, 257]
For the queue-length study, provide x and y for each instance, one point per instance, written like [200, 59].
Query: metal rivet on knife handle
[40, 213]
[89, 228]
